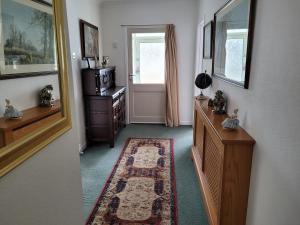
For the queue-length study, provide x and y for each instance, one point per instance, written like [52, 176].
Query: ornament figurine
[46, 96]
[11, 112]
[219, 103]
[232, 122]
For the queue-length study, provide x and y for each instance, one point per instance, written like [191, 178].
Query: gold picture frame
[13, 155]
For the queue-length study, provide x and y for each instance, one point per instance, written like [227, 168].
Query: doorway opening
[146, 64]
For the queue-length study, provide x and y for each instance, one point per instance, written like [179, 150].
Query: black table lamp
[203, 81]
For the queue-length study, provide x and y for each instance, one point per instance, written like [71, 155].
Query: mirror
[233, 36]
[34, 106]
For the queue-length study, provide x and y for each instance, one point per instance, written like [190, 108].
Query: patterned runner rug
[141, 189]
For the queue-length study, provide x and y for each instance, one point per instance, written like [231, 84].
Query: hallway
[97, 163]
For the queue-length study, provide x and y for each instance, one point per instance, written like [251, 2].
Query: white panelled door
[146, 58]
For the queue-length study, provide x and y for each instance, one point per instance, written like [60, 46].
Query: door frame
[128, 30]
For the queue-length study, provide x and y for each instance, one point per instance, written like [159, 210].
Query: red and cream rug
[141, 189]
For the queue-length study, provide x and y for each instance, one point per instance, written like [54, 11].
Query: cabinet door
[116, 107]
[116, 125]
[122, 110]
[212, 168]
[199, 133]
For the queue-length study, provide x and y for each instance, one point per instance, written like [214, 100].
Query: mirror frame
[16, 153]
[211, 26]
[251, 24]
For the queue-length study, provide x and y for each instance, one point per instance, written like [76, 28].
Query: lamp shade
[203, 81]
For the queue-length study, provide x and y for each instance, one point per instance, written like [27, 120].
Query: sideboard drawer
[98, 133]
[97, 105]
[21, 132]
[99, 119]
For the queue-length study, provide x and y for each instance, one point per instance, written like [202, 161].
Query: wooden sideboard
[33, 118]
[222, 160]
[104, 105]
[105, 115]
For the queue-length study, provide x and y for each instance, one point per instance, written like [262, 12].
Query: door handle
[131, 77]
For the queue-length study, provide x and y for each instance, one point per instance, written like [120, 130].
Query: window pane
[236, 48]
[149, 58]
[152, 63]
[234, 59]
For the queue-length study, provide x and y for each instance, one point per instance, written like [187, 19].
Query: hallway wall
[269, 110]
[26, 95]
[78, 9]
[46, 189]
[135, 12]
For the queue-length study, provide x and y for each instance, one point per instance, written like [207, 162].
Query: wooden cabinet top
[113, 92]
[29, 116]
[100, 68]
[226, 136]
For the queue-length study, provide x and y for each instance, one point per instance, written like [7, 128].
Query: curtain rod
[140, 25]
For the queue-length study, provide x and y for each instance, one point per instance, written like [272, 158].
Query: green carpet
[97, 163]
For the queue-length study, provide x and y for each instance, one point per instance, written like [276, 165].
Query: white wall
[24, 92]
[46, 189]
[90, 12]
[269, 110]
[135, 12]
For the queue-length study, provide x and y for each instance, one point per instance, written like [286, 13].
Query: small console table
[33, 118]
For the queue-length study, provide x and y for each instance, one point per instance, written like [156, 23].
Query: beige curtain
[172, 112]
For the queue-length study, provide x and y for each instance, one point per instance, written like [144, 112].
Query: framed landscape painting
[27, 42]
[89, 40]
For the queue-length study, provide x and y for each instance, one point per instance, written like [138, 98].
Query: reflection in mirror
[28, 51]
[231, 46]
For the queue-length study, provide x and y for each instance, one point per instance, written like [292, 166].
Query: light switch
[115, 45]
[74, 55]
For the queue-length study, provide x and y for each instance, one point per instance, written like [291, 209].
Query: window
[148, 58]
[236, 48]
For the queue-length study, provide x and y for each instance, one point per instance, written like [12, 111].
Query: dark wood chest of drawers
[104, 110]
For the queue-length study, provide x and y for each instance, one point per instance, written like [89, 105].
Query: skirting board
[82, 147]
[186, 123]
[182, 123]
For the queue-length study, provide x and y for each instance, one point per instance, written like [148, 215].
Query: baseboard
[182, 123]
[186, 123]
[147, 123]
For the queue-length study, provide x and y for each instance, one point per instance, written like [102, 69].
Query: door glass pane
[234, 59]
[236, 48]
[148, 58]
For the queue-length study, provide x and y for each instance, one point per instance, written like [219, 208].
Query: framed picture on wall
[27, 40]
[207, 40]
[89, 40]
